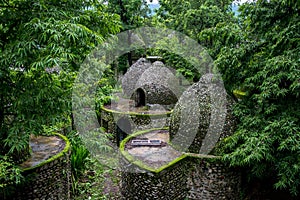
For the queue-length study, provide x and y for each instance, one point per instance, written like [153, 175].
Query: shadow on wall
[123, 129]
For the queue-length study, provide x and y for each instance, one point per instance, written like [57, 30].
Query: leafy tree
[42, 44]
[261, 57]
[192, 18]
[133, 14]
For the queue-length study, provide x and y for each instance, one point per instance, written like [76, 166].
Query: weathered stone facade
[132, 76]
[49, 180]
[190, 176]
[202, 117]
[169, 184]
[213, 179]
[157, 83]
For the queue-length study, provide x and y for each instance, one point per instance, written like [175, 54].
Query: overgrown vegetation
[43, 43]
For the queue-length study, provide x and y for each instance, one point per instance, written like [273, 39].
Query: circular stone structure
[202, 117]
[47, 171]
[122, 118]
[158, 171]
[159, 84]
[152, 171]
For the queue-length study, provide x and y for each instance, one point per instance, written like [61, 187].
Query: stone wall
[212, 179]
[190, 178]
[202, 117]
[168, 184]
[49, 180]
[109, 119]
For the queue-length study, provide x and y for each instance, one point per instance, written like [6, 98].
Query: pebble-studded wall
[202, 117]
[192, 178]
[50, 180]
[212, 179]
[168, 184]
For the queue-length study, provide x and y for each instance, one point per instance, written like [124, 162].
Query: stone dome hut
[202, 116]
[151, 84]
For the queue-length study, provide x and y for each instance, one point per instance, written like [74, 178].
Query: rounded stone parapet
[212, 179]
[47, 180]
[146, 174]
[120, 124]
[161, 172]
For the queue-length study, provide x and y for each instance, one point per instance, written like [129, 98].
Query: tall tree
[42, 44]
[133, 14]
[192, 18]
[263, 61]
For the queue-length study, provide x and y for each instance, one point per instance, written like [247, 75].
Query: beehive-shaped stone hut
[202, 116]
[200, 119]
[151, 84]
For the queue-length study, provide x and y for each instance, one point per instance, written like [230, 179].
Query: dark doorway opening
[140, 98]
[123, 129]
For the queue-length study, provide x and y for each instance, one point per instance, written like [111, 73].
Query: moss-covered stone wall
[49, 180]
[189, 178]
[168, 184]
[108, 119]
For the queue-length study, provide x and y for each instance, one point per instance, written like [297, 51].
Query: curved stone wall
[169, 184]
[190, 176]
[49, 180]
[108, 119]
[210, 178]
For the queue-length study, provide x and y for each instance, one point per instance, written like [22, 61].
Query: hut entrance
[140, 98]
[123, 129]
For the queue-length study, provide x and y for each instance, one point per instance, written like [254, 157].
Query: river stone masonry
[48, 180]
[202, 117]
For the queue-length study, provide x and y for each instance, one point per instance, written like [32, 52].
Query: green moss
[198, 157]
[139, 163]
[239, 94]
[136, 114]
[53, 158]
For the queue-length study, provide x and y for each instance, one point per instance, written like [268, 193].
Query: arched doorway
[140, 98]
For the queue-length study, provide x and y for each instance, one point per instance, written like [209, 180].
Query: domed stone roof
[132, 76]
[156, 83]
[202, 116]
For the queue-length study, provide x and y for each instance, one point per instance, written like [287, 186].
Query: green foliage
[192, 18]
[97, 183]
[42, 44]
[132, 12]
[106, 87]
[9, 173]
[263, 60]
[78, 159]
